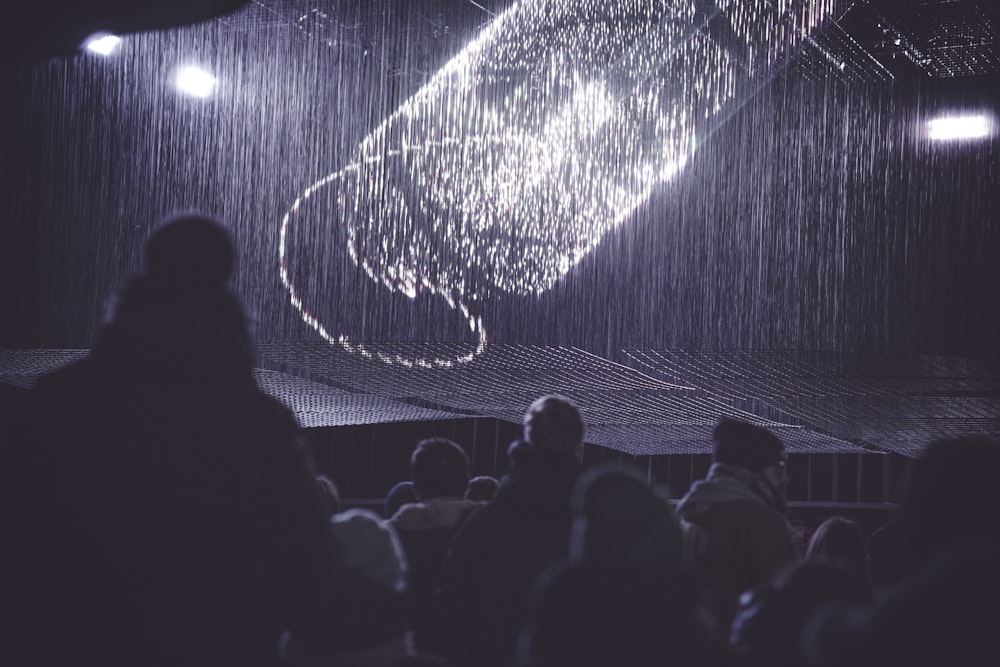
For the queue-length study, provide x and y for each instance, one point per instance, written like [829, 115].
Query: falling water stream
[633, 180]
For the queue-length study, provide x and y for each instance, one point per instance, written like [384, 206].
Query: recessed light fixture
[952, 128]
[102, 43]
[195, 81]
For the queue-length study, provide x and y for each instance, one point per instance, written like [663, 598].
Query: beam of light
[195, 81]
[546, 132]
[952, 128]
[102, 44]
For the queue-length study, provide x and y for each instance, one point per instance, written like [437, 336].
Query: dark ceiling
[903, 349]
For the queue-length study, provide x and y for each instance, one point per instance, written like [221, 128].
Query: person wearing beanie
[735, 534]
[170, 516]
[502, 548]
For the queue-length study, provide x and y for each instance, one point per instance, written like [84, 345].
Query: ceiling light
[195, 81]
[102, 44]
[951, 128]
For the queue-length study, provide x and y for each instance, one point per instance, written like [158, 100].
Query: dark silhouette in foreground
[621, 597]
[166, 513]
[945, 611]
[503, 547]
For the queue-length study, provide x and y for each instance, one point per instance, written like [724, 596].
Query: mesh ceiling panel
[22, 367]
[624, 408]
[890, 403]
[948, 38]
[316, 405]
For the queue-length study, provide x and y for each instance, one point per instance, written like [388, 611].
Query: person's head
[370, 608]
[950, 500]
[181, 301]
[553, 422]
[840, 539]
[190, 251]
[620, 519]
[400, 494]
[482, 487]
[439, 468]
[369, 546]
[752, 448]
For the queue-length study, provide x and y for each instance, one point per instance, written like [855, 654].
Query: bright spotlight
[102, 43]
[951, 128]
[195, 81]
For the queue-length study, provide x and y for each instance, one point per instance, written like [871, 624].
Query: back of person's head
[951, 500]
[620, 519]
[190, 251]
[842, 540]
[400, 494]
[482, 487]
[554, 422]
[744, 445]
[178, 317]
[439, 468]
[369, 546]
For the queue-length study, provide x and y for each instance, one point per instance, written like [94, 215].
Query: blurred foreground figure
[495, 557]
[945, 610]
[736, 535]
[621, 596]
[163, 513]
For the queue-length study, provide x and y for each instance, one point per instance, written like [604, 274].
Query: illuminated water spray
[546, 132]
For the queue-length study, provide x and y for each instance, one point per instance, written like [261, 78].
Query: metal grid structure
[317, 405]
[896, 404]
[624, 409]
[662, 402]
[945, 39]
[21, 368]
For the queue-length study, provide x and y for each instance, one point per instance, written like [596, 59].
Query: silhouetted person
[482, 487]
[840, 539]
[439, 469]
[767, 630]
[507, 543]
[945, 611]
[168, 515]
[736, 535]
[621, 597]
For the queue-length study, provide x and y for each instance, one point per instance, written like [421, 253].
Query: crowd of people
[160, 510]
